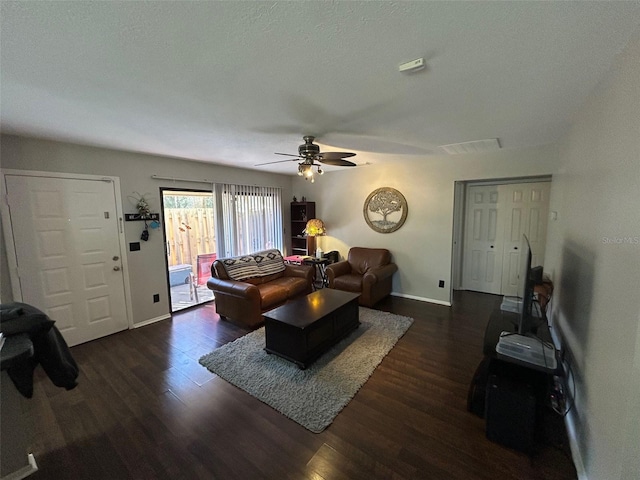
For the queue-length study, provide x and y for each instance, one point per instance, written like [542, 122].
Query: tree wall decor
[385, 210]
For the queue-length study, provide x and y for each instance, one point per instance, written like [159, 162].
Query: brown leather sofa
[367, 271]
[247, 286]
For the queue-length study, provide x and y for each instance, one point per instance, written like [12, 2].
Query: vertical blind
[248, 218]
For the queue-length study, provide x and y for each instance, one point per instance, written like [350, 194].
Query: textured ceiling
[233, 82]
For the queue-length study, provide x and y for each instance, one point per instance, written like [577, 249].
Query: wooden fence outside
[190, 232]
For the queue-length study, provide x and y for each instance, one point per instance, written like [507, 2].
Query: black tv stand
[510, 394]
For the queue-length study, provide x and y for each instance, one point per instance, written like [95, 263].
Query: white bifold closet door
[496, 217]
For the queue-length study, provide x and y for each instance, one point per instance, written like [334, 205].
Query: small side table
[320, 265]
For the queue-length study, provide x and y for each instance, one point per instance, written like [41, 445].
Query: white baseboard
[569, 421]
[25, 471]
[151, 320]
[421, 299]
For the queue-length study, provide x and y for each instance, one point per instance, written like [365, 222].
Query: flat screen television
[527, 279]
[526, 346]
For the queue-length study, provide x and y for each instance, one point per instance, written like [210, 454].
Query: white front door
[482, 261]
[68, 254]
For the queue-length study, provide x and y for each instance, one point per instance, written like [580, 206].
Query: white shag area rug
[311, 397]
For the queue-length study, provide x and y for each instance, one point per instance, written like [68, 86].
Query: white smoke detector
[412, 66]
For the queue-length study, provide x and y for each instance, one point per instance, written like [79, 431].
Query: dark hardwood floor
[145, 408]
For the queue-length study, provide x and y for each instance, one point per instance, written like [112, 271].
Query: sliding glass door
[189, 228]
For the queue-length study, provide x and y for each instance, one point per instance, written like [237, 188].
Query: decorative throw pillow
[241, 268]
[269, 262]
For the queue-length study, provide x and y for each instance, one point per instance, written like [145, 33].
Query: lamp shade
[315, 227]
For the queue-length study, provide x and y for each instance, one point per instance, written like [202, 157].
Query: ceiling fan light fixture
[309, 153]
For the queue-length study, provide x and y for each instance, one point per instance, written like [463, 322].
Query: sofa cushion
[293, 285]
[280, 290]
[241, 268]
[269, 262]
[272, 294]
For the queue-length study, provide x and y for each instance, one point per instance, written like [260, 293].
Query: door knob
[115, 258]
[491, 246]
[116, 268]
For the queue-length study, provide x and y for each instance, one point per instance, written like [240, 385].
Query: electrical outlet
[156, 297]
[441, 284]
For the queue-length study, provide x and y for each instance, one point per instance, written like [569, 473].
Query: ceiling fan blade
[338, 162]
[277, 161]
[335, 155]
[288, 155]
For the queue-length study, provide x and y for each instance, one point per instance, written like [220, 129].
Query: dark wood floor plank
[373, 447]
[402, 430]
[145, 408]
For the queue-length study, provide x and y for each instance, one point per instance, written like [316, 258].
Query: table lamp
[314, 227]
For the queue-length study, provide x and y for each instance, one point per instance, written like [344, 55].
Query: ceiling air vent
[477, 146]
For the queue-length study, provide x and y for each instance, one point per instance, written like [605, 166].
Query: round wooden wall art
[385, 210]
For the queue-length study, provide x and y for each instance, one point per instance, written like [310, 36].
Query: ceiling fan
[309, 152]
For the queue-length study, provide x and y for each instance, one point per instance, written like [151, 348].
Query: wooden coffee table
[305, 328]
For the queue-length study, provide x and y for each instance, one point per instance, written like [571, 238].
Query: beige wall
[597, 305]
[147, 266]
[422, 248]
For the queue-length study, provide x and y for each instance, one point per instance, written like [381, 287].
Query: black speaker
[477, 395]
[510, 413]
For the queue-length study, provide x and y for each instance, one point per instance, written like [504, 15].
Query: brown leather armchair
[367, 271]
